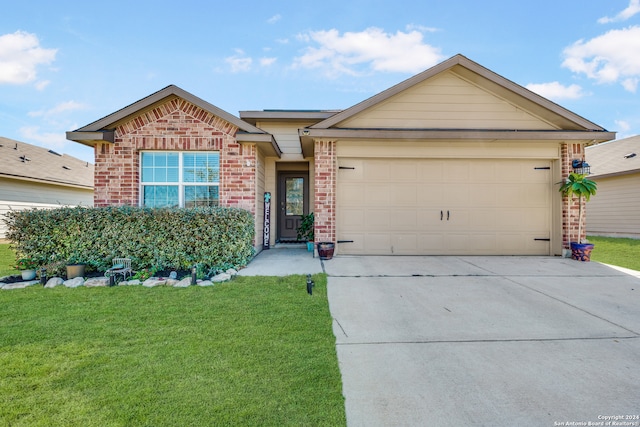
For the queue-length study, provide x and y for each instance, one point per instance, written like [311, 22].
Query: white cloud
[373, 48]
[62, 107]
[623, 125]
[274, 19]
[32, 134]
[630, 84]
[42, 84]
[239, 62]
[20, 55]
[265, 62]
[556, 90]
[631, 10]
[421, 28]
[609, 58]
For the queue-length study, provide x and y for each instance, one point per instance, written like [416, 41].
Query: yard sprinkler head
[310, 285]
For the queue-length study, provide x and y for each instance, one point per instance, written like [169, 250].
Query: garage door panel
[404, 244]
[353, 218]
[406, 195]
[406, 171]
[378, 243]
[400, 206]
[377, 194]
[377, 170]
[430, 195]
[377, 219]
[351, 195]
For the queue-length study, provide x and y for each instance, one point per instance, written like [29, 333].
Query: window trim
[181, 184]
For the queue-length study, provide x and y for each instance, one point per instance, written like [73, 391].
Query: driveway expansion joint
[494, 341]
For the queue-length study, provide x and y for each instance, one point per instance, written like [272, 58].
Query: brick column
[238, 175]
[570, 210]
[325, 175]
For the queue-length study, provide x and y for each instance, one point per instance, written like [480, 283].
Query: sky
[65, 64]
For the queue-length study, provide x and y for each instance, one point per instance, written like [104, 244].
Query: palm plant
[578, 185]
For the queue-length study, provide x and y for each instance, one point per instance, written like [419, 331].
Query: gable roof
[102, 129]
[26, 162]
[615, 157]
[483, 77]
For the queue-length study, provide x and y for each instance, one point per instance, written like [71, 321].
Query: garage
[400, 206]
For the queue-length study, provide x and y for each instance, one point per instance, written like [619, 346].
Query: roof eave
[47, 181]
[108, 121]
[90, 138]
[265, 142]
[455, 134]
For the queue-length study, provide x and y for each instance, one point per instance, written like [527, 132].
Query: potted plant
[27, 267]
[580, 186]
[75, 268]
[305, 230]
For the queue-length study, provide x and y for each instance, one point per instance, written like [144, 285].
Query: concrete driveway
[491, 341]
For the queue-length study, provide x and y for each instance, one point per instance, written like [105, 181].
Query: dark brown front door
[293, 202]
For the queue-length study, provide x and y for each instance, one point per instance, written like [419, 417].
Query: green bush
[153, 238]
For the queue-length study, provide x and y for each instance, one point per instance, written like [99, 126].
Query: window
[174, 179]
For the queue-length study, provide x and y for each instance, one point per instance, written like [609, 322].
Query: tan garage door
[444, 207]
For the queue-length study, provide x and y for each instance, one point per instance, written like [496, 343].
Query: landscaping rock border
[104, 281]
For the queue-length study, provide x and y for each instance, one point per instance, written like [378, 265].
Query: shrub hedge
[214, 238]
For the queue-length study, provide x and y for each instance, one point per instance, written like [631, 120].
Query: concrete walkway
[283, 260]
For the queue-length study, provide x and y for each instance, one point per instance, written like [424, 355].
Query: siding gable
[445, 101]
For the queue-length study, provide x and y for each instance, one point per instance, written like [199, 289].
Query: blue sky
[65, 64]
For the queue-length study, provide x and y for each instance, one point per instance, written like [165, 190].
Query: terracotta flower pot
[581, 251]
[325, 250]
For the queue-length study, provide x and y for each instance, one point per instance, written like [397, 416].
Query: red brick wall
[570, 211]
[173, 125]
[325, 191]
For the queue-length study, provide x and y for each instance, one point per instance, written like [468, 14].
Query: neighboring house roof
[103, 129]
[27, 162]
[613, 158]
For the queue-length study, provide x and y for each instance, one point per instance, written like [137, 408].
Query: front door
[293, 202]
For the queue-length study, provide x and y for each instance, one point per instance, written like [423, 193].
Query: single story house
[456, 160]
[35, 177]
[615, 209]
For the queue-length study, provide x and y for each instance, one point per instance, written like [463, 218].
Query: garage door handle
[441, 215]
[447, 215]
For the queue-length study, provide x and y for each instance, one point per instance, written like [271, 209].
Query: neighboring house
[34, 177]
[615, 209]
[456, 160]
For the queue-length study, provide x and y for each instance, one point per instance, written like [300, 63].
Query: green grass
[616, 251]
[7, 260]
[253, 351]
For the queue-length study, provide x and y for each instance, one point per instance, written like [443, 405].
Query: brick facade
[173, 125]
[325, 176]
[570, 211]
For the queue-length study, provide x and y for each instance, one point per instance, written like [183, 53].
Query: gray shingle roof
[615, 157]
[19, 160]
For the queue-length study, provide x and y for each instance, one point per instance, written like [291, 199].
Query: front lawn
[616, 251]
[252, 351]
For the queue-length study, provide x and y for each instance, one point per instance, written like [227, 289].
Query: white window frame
[180, 183]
